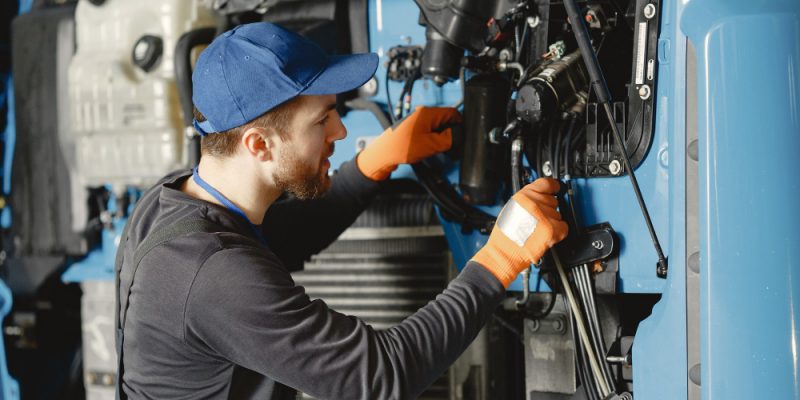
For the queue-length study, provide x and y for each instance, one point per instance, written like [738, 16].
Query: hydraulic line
[516, 185]
[583, 282]
[604, 96]
[590, 385]
[584, 335]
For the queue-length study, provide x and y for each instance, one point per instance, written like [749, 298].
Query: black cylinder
[440, 60]
[483, 164]
[556, 88]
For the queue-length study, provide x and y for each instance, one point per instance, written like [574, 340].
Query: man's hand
[527, 227]
[416, 137]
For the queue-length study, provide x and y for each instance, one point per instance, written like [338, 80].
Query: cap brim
[344, 73]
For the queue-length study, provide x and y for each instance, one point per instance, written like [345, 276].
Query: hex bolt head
[650, 11]
[547, 170]
[644, 92]
[614, 167]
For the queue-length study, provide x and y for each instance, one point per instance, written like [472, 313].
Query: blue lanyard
[227, 203]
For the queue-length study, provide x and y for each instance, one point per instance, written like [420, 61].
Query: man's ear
[259, 142]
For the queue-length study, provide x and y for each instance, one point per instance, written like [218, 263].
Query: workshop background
[679, 284]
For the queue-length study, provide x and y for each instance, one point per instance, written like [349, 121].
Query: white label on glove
[516, 222]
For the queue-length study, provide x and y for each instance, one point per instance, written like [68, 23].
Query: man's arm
[255, 316]
[297, 229]
[245, 307]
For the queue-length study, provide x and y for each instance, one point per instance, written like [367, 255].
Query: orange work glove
[410, 140]
[527, 227]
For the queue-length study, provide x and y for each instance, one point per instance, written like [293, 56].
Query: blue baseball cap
[253, 68]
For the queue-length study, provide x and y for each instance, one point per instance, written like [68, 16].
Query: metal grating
[381, 272]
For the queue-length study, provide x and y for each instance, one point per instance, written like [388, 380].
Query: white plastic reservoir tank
[125, 118]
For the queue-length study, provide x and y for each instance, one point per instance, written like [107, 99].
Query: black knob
[147, 52]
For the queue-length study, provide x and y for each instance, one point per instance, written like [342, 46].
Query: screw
[533, 21]
[644, 92]
[614, 167]
[650, 11]
[546, 169]
[533, 325]
[558, 325]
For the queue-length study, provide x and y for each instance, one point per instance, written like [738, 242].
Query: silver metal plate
[516, 222]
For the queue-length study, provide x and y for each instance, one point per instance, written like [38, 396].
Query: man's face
[303, 158]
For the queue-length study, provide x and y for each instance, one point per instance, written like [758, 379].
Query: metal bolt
[650, 11]
[533, 21]
[558, 325]
[495, 135]
[533, 325]
[546, 169]
[140, 50]
[694, 262]
[614, 167]
[644, 92]
[370, 88]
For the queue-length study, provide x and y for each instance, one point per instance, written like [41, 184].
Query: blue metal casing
[748, 63]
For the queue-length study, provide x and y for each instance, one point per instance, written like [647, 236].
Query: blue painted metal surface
[748, 61]
[660, 347]
[9, 388]
[607, 199]
[391, 23]
[9, 141]
[98, 265]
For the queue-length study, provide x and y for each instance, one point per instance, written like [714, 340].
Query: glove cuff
[504, 266]
[375, 160]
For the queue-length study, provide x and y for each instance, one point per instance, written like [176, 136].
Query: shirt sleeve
[245, 307]
[298, 229]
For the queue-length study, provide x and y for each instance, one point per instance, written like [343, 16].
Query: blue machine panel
[748, 63]
[660, 346]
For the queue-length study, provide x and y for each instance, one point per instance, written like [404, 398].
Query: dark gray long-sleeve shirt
[216, 315]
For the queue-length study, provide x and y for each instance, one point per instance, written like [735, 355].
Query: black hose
[539, 161]
[389, 97]
[587, 380]
[567, 141]
[373, 107]
[183, 79]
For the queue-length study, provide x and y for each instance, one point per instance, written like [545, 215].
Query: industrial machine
[668, 123]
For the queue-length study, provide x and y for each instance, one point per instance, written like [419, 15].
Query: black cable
[595, 324]
[561, 132]
[567, 138]
[389, 98]
[551, 147]
[587, 380]
[538, 153]
[598, 81]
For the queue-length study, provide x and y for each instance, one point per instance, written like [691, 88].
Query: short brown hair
[223, 144]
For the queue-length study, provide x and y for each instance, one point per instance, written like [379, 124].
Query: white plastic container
[126, 123]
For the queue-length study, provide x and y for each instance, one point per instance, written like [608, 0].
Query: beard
[303, 180]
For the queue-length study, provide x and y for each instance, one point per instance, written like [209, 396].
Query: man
[214, 313]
